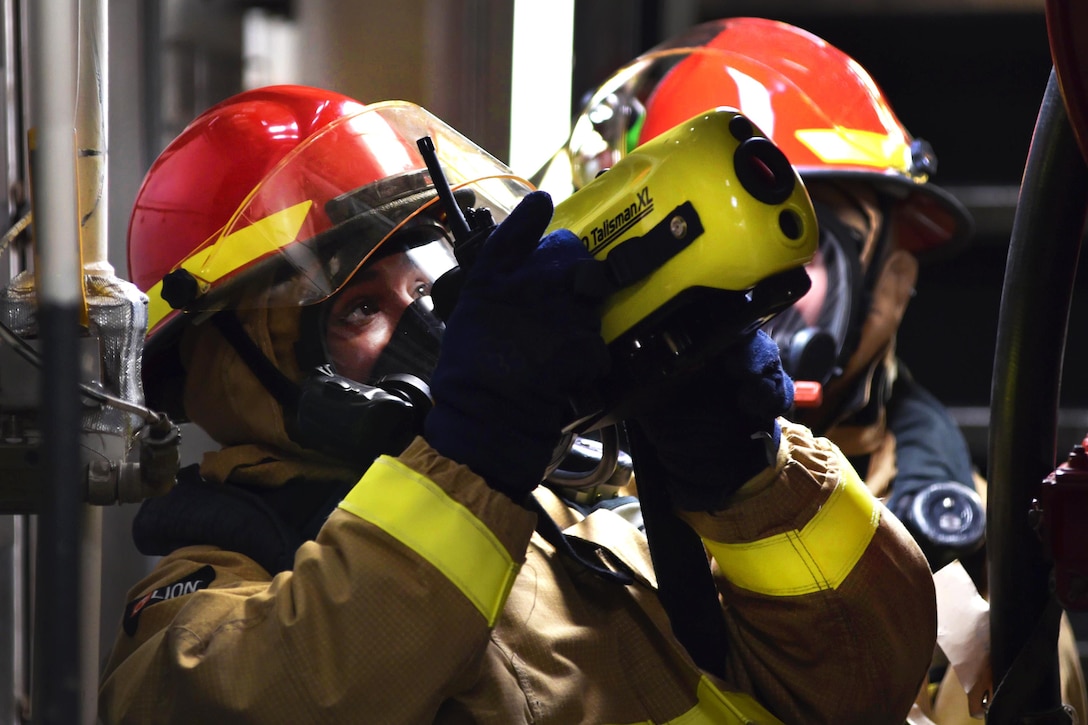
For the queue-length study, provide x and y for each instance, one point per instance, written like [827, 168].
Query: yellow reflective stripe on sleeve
[819, 556]
[233, 252]
[854, 146]
[725, 708]
[722, 708]
[415, 511]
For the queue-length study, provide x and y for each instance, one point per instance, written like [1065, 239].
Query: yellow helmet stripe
[857, 147]
[415, 511]
[820, 556]
[232, 252]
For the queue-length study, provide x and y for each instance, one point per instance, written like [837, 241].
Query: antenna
[457, 224]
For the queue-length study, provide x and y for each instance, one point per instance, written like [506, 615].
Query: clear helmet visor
[336, 200]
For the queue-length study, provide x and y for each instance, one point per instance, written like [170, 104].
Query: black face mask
[413, 346]
[357, 421]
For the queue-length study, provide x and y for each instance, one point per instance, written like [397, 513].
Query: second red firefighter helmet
[837, 129]
[816, 103]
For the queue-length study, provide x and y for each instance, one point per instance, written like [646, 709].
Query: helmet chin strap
[283, 389]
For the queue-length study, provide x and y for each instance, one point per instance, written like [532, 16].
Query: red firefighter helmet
[200, 180]
[276, 196]
[818, 105]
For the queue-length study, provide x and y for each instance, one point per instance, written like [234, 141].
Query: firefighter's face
[364, 315]
[812, 301]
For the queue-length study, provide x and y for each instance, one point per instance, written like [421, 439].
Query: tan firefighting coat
[428, 597]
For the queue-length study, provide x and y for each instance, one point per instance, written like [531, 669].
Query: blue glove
[716, 429]
[518, 347]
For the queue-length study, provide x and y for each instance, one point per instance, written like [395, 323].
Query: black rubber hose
[1032, 325]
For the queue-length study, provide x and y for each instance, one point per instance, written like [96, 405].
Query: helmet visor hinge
[180, 288]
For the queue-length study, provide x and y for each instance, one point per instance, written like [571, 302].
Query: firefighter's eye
[360, 313]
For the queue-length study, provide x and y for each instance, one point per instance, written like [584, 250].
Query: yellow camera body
[702, 234]
[757, 220]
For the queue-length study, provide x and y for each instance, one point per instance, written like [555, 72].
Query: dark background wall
[971, 85]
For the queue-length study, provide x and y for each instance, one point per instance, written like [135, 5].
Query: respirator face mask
[362, 398]
[817, 335]
[352, 328]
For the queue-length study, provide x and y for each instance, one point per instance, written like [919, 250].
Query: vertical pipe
[15, 173]
[91, 172]
[9, 626]
[90, 565]
[92, 107]
[14, 641]
[1032, 325]
[56, 679]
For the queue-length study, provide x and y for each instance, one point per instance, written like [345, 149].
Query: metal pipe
[58, 640]
[92, 107]
[92, 96]
[14, 128]
[1032, 323]
[14, 642]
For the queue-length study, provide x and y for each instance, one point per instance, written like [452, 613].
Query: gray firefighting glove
[519, 346]
[717, 429]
